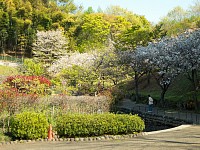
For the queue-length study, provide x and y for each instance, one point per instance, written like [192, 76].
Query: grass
[7, 71]
[178, 92]
[4, 137]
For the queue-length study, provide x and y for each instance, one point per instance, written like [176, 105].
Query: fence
[187, 116]
[12, 59]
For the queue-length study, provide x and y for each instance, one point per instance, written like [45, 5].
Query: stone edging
[99, 138]
[81, 139]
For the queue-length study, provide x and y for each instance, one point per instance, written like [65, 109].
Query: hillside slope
[179, 94]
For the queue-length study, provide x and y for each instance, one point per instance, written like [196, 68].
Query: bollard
[50, 133]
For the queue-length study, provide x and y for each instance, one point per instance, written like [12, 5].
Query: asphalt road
[182, 138]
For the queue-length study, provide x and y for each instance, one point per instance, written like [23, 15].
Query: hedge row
[29, 125]
[85, 125]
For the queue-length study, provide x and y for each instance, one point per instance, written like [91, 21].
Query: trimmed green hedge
[29, 125]
[85, 125]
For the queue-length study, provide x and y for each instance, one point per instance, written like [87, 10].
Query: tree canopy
[86, 30]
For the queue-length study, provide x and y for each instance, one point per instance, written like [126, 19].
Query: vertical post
[50, 133]
[186, 116]
[53, 110]
[196, 118]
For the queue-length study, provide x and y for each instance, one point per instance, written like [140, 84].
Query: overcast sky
[153, 10]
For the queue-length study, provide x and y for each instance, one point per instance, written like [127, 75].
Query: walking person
[150, 103]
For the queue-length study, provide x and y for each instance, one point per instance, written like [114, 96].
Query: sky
[153, 10]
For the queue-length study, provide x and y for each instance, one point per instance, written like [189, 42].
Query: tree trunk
[194, 83]
[136, 87]
[196, 100]
[148, 77]
[162, 97]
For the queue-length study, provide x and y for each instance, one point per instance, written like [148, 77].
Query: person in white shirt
[150, 103]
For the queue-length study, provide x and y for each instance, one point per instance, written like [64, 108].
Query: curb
[99, 138]
[77, 139]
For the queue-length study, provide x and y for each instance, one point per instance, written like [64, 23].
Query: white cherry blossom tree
[188, 47]
[137, 60]
[163, 62]
[49, 46]
[171, 56]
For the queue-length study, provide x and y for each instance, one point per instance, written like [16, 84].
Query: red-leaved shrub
[28, 84]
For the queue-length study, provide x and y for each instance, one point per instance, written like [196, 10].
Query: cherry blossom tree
[171, 56]
[167, 58]
[49, 46]
[137, 60]
[101, 65]
[163, 60]
[107, 65]
[188, 47]
[70, 59]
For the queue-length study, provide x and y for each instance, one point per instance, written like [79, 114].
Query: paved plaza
[186, 137]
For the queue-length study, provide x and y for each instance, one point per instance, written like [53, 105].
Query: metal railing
[11, 59]
[186, 116]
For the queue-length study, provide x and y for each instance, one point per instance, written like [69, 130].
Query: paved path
[187, 116]
[7, 63]
[183, 138]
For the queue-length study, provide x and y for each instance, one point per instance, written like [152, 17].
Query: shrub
[81, 125]
[11, 100]
[79, 80]
[4, 137]
[32, 68]
[28, 84]
[81, 104]
[29, 125]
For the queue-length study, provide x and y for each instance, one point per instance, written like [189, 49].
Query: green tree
[133, 37]
[158, 32]
[3, 30]
[58, 16]
[67, 6]
[117, 11]
[4, 20]
[195, 9]
[89, 10]
[178, 20]
[118, 25]
[3, 38]
[79, 80]
[93, 32]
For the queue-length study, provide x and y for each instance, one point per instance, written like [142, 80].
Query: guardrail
[187, 116]
[190, 117]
